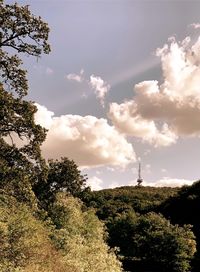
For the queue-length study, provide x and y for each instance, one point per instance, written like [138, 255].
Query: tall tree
[62, 176]
[20, 33]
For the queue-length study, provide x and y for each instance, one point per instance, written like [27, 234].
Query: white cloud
[76, 77]
[126, 120]
[43, 116]
[100, 86]
[159, 114]
[169, 182]
[195, 25]
[115, 185]
[95, 183]
[87, 140]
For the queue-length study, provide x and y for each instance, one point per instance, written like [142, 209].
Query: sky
[121, 85]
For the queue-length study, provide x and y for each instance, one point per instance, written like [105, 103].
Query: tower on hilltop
[139, 180]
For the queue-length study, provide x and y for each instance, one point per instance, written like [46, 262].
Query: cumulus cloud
[169, 182]
[127, 121]
[95, 183]
[100, 86]
[87, 140]
[76, 77]
[160, 113]
[43, 116]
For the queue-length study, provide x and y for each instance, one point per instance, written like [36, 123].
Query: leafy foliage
[20, 137]
[25, 242]
[80, 236]
[22, 32]
[70, 241]
[125, 210]
[61, 176]
[110, 202]
[144, 238]
[184, 209]
[18, 163]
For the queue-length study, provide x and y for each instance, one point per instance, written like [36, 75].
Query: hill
[109, 202]
[140, 232]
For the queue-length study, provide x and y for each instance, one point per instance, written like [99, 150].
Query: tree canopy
[22, 32]
[20, 138]
[143, 238]
[61, 176]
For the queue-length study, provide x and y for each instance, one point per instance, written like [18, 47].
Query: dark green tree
[20, 138]
[154, 242]
[184, 209]
[62, 176]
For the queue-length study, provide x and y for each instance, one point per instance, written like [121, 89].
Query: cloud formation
[96, 83]
[101, 88]
[76, 77]
[95, 183]
[160, 113]
[195, 25]
[89, 141]
[169, 182]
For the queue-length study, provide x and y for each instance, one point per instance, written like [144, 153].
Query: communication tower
[139, 180]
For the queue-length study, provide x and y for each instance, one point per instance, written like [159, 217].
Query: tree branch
[3, 43]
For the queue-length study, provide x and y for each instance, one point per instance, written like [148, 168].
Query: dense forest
[154, 229]
[49, 219]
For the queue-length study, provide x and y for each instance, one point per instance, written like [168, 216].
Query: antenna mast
[139, 180]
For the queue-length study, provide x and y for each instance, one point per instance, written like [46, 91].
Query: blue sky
[100, 83]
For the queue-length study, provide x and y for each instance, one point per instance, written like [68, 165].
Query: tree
[184, 209]
[24, 33]
[25, 241]
[79, 235]
[62, 176]
[21, 33]
[154, 242]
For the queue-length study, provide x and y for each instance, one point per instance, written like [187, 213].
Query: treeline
[109, 202]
